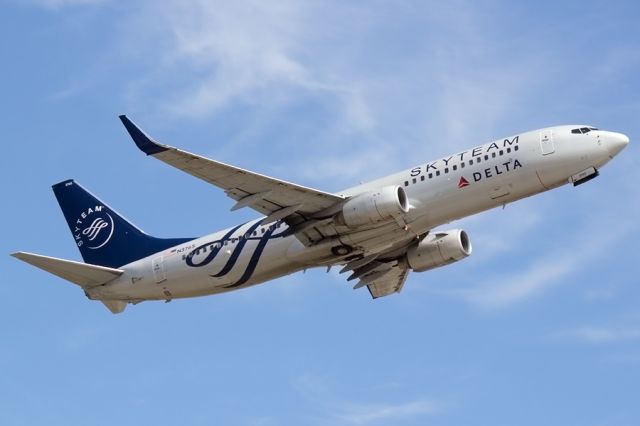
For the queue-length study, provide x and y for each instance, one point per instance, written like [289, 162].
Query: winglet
[142, 140]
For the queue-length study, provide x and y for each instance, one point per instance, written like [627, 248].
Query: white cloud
[59, 4]
[387, 413]
[500, 230]
[236, 51]
[321, 393]
[510, 290]
[542, 272]
[604, 293]
[360, 167]
[257, 52]
[597, 335]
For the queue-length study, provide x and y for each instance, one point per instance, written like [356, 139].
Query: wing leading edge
[272, 197]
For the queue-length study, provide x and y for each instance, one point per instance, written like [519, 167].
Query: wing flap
[83, 274]
[391, 282]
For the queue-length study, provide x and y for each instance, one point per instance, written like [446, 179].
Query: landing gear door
[546, 142]
[159, 272]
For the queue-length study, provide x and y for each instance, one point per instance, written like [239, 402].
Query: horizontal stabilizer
[83, 274]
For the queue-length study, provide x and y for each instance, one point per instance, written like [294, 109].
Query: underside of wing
[272, 197]
[381, 276]
[389, 283]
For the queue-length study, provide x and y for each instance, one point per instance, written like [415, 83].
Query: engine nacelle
[439, 249]
[374, 206]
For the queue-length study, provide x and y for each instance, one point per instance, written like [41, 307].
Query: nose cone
[616, 142]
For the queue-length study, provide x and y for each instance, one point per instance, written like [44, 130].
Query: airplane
[377, 232]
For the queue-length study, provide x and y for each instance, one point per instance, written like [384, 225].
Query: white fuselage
[447, 189]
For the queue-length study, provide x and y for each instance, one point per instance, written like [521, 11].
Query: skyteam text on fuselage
[377, 231]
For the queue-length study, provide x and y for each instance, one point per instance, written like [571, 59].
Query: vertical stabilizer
[103, 236]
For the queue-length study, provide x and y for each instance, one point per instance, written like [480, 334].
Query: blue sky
[540, 326]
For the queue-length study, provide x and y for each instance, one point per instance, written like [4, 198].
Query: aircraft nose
[616, 142]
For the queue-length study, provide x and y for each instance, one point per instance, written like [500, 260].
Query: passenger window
[471, 162]
[430, 175]
[437, 172]
[414, 180]
[462, 165]
[493, 155]
[455, 167]
[486, 157]
[446, 170]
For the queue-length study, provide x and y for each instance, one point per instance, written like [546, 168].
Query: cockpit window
[583, 130]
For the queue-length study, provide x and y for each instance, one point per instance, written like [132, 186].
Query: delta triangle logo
[463, 182]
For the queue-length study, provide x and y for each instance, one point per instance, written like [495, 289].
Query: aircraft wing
[274, 198]
[390, 283]
[382, 278]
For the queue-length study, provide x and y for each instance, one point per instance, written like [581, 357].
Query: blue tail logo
[103, 236]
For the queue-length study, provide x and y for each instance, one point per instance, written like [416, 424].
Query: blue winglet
[144, 142]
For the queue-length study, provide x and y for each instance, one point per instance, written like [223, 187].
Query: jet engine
[374, 206]
[439, 249]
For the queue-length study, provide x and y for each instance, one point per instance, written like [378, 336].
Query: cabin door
[159, 272]
[546, 142]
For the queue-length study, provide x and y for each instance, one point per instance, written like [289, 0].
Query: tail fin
[103, 236]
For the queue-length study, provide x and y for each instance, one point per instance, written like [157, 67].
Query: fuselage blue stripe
[255, 258]
[214, 252]
[237, 251]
